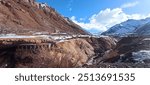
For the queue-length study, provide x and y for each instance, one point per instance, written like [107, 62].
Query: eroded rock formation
[74, 52]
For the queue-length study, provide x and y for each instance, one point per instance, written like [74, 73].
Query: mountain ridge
[22, 16]
[126, 27]
[144, 30]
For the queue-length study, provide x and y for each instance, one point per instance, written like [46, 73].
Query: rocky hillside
[28, 16]
[130, 52]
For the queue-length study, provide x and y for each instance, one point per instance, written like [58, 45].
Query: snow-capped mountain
[126, 27]
[144, 30]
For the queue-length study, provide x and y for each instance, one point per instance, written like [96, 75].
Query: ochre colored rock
[25, 16]
[35, 53]
[71, 53]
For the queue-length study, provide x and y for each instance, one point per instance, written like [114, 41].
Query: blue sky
[99, 15]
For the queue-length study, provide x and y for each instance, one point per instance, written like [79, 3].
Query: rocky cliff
[35, 52]
[28, 16]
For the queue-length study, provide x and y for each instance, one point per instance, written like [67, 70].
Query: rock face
[129, 52]
[72, 53]
[25, 16]
[75, 52]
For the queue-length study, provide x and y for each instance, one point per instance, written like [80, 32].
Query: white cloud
[89, 26]
[107, 18]
[131, 4]
[82, 19]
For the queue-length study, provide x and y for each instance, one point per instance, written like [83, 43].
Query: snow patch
[141, 55]
[128, 26]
